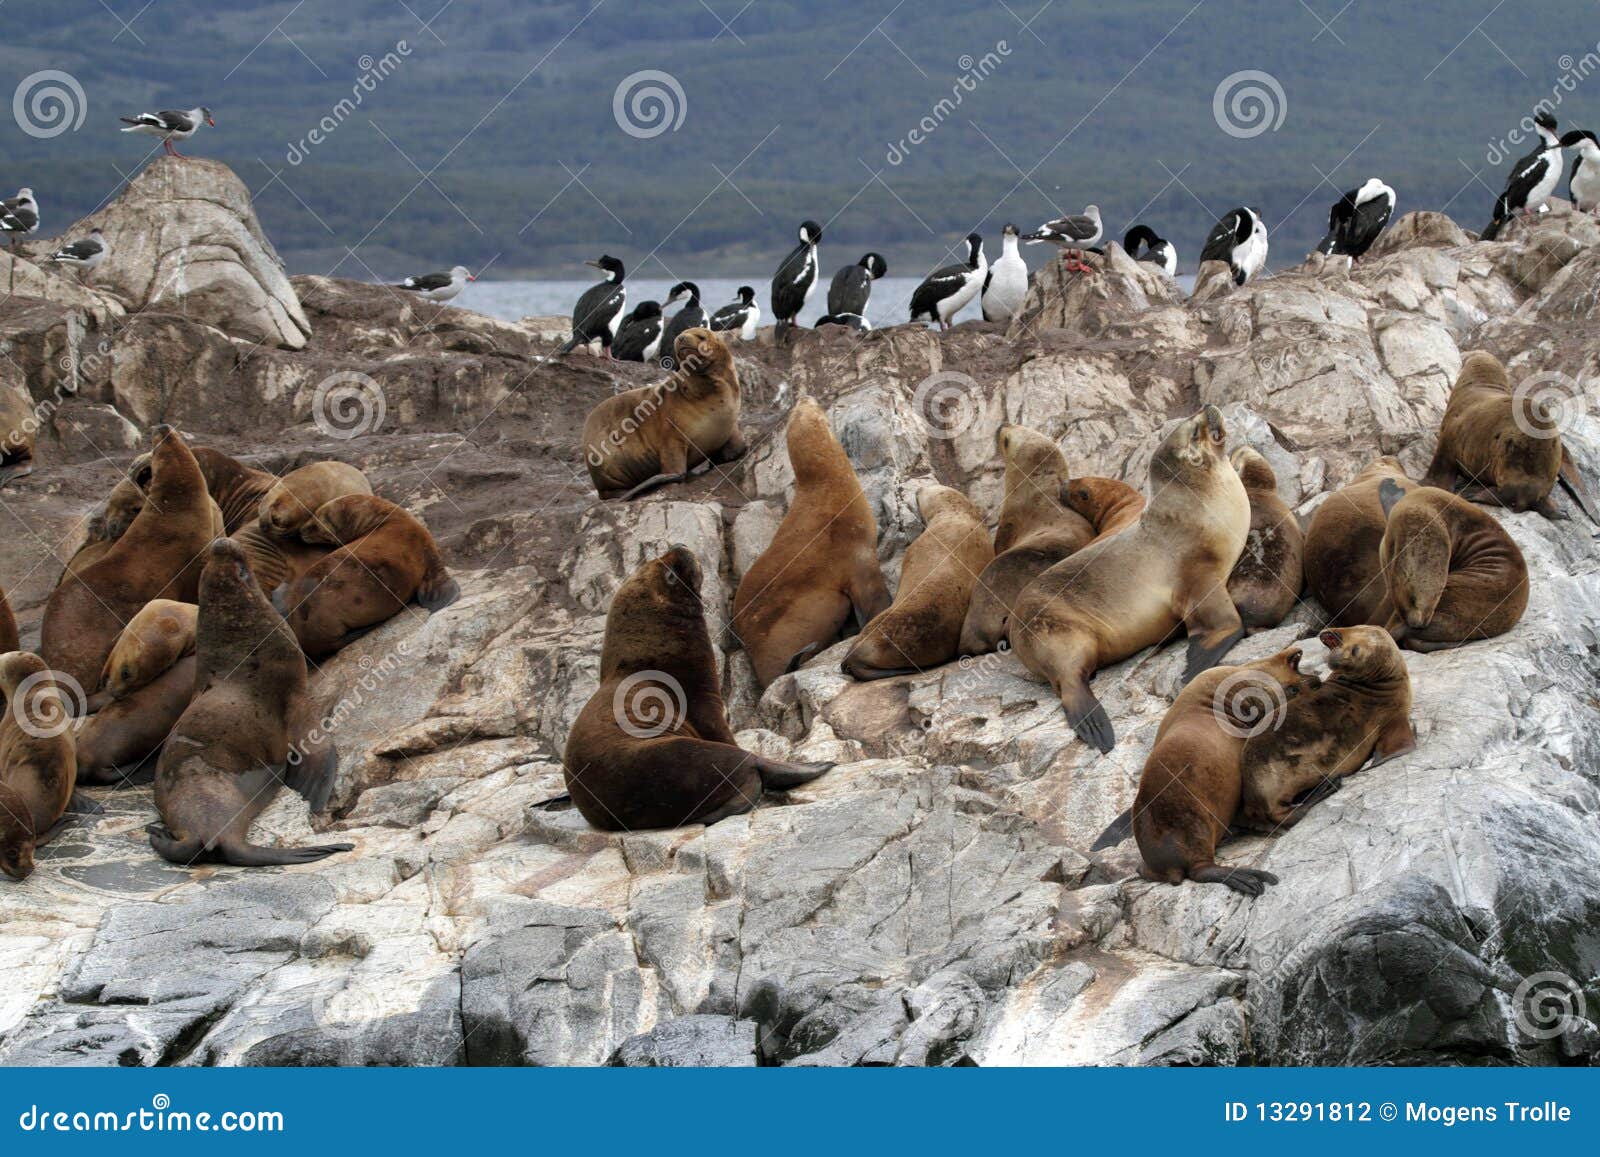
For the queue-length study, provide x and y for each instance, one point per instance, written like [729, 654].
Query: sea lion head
[813, 450]
[934, 500]
[1030, 452]
[1414, 553]
[1254, 470]
[122, 507]
[701, 353]
[651, 609]
[226, 576]
[16, 835]
[1194, 449]
[1362, 654]
[281, 510]
[156, 638]
[1480, 367]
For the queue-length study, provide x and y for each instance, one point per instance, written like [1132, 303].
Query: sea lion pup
[1132, 590]
[1341, 548]
[1107, 504]
[1267, 580]
[38, 766]
[157, 637]
[230, 750]
[118, 738]
[385, 558]
[645, 438]
[1362, 709]
[1501, 449]
[1190, 787]
[1035, 531]
[652, 748]
[159, 556]
[822, 565]
[296, 497]
[8, 625]
[1453, 572]
[922, 627]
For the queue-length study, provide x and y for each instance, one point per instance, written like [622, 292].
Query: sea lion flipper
[1249, 881]
[1396, 738]
[651, 483]
[15, 470]
[1088, 718]
[84, 805]
[312, 776]
[1118, 830]
[439, 595]
[780, 775]
[869, 595]
[1203, 657]
[1573, 481]
[254, 856]
[172, 849]
[1389, 494]
[800, 657]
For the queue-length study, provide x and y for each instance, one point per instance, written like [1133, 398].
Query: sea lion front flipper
[312, 775]
[170, 848]
[84, 805]
[869, 595]
[1118, 830]
[438, 595]
[1396, 738]
[1088, 718]
[1250, 881]
[1573, 481]
[1203, 656]
[651, 483]
[781, 775]
[1214, 626]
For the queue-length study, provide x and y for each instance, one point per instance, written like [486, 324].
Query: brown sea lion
[236, 488]
[231, 749]
[922, 627]
[640, 439]
[1501, 449]
[1362, 709]
[822, 565]
[1035, 531]
[124, 733]
[1453, 572]
[385, 559]
[8, 625]
[157, 637]
[1267, 580]
[652, 748]
[1134, 589]
[160, 556]
[1341, 548]
[1190, 788]
[1107, 504]
[18, 425]
[38, 766]
[296, 497]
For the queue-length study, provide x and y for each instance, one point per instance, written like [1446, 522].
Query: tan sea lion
[127, 730]
[922, 627]
[1341, 548]
[1035, 531]
[1267, 580]
[1190, 787]
[160, 556]
[1362, 709]
[38, 766]
[1107, 504]
[645, 438]
[1133, 590]
[1453, 572]
[385, 559]
[8, 625]
[296, 497]
[1501, 449]
[652, 748]
[157, 637]
[236, 488]
[18, 425]
[822, 565]
[231, 749]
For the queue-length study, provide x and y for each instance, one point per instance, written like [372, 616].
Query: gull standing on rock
[19, 215]
[438, 286]
[946, 291]
[1005, 287]
[1074, 233]
[86, 255]
[170, 125]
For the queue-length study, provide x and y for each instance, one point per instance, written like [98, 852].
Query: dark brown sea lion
[236, 488]
[18, 425]
[652, 748]
[645, 438]
[38, 764]
[8, 625]
[231, 749]
[822, 566]
[1342, 565]
[1267, 580]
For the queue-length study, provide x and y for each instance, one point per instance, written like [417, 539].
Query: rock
[692, 1042]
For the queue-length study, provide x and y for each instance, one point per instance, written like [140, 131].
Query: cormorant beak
[592, 264]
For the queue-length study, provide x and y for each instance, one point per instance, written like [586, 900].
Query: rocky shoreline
[932, 900]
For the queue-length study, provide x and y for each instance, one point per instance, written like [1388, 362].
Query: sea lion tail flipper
[1118, 830]
[1573, 481]
[254, 856]
[84, 805]
[1250, 881]
[1389, 494]
[1088, 718]
[172, 849]
[780, 775]
[15, 470]
[439, 593]
[312, 776]
[651, 483]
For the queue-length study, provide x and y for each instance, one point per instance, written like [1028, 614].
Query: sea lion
[38, 767]
[1107, 504]
[8, 625]
[159, 556]
[127, 730]
[1453, 572]
[385, 558]
[922, 627]
[1189, 789]
[18, 423]
[1035, 531]
[230, 750]
[822, 564]
[157, 637]
[1342, 567]
[295, 498]
[1362, 709]
[652, 748]
[1132, 590]
[1501, 449]
[640, 439]
[236, 488]
[1267, 580]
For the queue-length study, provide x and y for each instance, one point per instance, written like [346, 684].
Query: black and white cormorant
[1532, 179]
[87, 254]
[170, 125]
[945, 291]
[1356, 219]
[1583, 181]
[438, 286]
[1157, 250]
[851, 290]
[743, 315]
[599, 308]
[1005, 286]
[691, 315]
[1074, 233]
[639, 335]
[1240, 239]
[795, 279]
